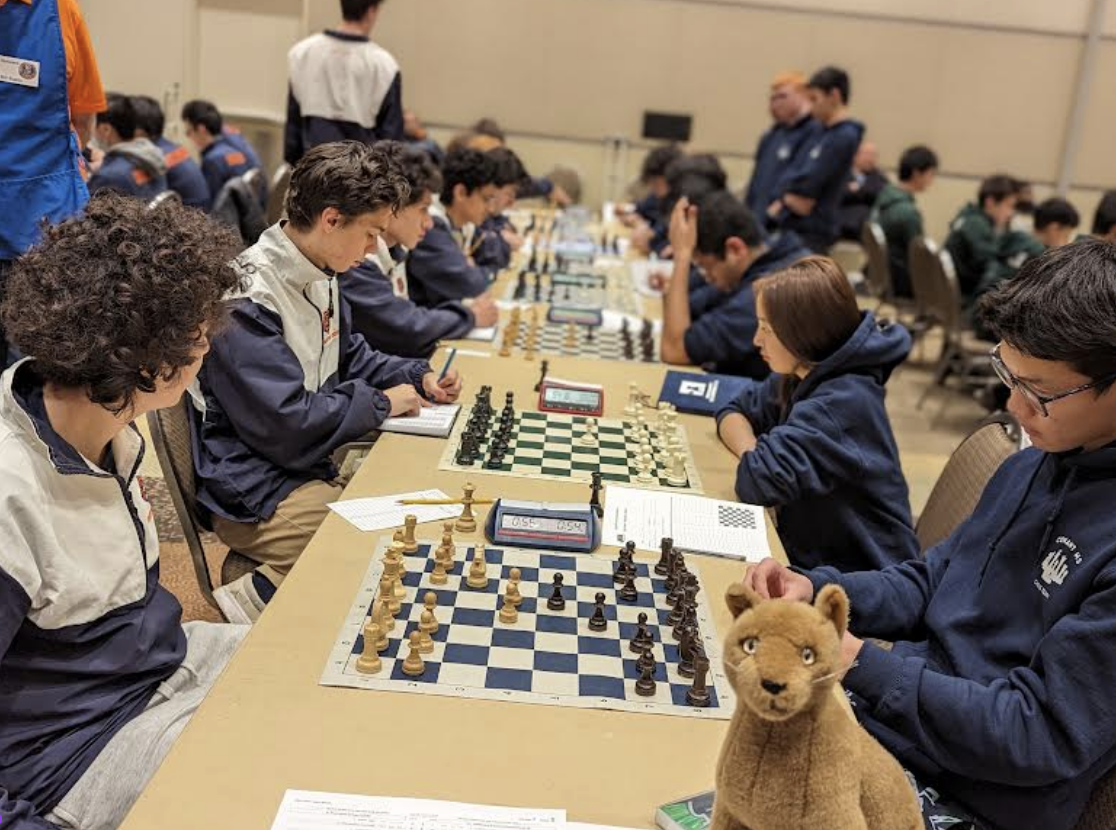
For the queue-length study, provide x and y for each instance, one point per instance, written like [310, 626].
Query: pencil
[449, 360]
[443, 501]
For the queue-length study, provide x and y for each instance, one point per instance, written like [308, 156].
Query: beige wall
[989, 85]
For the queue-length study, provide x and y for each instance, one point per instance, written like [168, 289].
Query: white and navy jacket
[285, 384]
[438, 269]
[342, 86]
[86, 632]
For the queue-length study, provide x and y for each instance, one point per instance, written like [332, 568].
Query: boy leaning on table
[998, 690]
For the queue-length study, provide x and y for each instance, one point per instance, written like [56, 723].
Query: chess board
[547, 445]
[597, 291]
[588, 342]
[547, 657]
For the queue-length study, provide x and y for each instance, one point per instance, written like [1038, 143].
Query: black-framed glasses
[1036, 399]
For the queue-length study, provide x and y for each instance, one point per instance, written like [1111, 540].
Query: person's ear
[460, 192]
[736, 249]
[331, 219]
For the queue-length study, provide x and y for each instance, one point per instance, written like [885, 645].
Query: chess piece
[426, 642]
[439, 576]
[478, 569]
[369, 661]
[467, 523]
[387, 597]
[645, 475]
[430, 602]
[628, 592]
[633, 398]
[413, 666]
[557, 602]
[514, 575]
[686, 653]
[698, 694]
[544, 367]
[410, 545]
[570, 341]
[663, 564]
[508, 613]
[598, 622]
[589, 435]
[378, 619]
[646, 658]
[643, 638]
[645, 686]
[595, 499]
[676, 472]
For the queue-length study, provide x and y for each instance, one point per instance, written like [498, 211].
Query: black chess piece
[589, 333]
[557, 602]
[663, 565]
[520, 286]
[689, 617]
[645, 686]
[643, 637]
[624, 566]
[646, 657]
[698, 694]
[595, 498]
[598, 622]
[677, 608]
[544, 367]
[686, 653]
[628, 592]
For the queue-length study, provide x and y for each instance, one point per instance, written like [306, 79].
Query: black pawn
[557, 602]
[598, 622]
[643, 638]
[628, 592]
[645, 686]
[663, 565]
[595, 499]
[620, 575]
[698, 694]
[646, 659]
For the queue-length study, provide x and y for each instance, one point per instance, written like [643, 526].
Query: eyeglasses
[1038, 401]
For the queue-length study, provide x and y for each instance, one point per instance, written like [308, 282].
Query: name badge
[19, 71]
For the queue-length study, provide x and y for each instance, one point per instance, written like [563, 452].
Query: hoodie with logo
[999, 686]
[134, 168]
[828, 460]
[287, 383]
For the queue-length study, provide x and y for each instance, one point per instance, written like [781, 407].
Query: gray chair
[170, 433]
[280, 182]
[877, 270]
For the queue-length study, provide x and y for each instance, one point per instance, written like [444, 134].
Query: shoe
[239, 601]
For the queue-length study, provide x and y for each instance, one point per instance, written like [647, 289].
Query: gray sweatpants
[108, 789]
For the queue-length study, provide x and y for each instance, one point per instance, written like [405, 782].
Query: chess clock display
[548, 525]
[571, 398]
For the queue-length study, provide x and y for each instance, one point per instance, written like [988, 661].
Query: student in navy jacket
[184, 176]
[499, 238]
[290, 381]
[132, 165]
[97, 674]
[376, 290]
[652, 175]
[814, 439]
[223, 156]
[997, 691]
[789, 104]
[441, 267]
[809, 194]
[714, 324]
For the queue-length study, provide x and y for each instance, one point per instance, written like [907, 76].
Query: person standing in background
[789, 105]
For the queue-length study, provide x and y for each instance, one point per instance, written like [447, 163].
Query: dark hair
[831, 78]
[694, 177]
[1060, 306]
[916, 159]
[656, 162]
[421, 173]
[149, 115]
[119, 114]
[347, 175]
[489, 127]
[997, 188]
[118, 297]
[354, 10]
[722, 216]
[509, 169]
[467, 167]
[204, 113]
[1105, 217]
[1056, 211]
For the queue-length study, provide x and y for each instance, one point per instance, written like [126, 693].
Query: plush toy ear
[833, 602]
[740, 598]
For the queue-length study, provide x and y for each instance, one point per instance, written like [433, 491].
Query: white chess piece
[633, 398]
[645, 475]
[676, 471]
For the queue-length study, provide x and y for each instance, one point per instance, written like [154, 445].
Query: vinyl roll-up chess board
[598, 291]
[546, 657]
[548, 445]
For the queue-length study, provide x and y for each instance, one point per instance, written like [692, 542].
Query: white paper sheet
[382, 512]
[695, 523]
[486, 334]
[436, 420]
[306, 810]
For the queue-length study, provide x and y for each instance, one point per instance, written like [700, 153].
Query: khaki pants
[276, 543]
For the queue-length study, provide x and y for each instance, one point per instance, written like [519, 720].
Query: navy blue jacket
[134, 168]
[438, 270]
[223, 160]
[819, 171]
[493, 254]
[999, 687]
[775, 153]
[723, 326]
[184, 176]
[395, 324]
[829, 461]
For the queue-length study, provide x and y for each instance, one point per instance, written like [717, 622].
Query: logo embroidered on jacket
[176, 156]
[1055, 568]
[234, 158]
[28, 71]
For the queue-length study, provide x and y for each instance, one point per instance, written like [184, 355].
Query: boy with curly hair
[97, 674]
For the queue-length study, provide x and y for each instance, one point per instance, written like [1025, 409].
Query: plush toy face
[780, 656]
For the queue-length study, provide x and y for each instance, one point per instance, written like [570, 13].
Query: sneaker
[239, 601]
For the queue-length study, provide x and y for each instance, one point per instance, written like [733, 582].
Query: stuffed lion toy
[793, 758]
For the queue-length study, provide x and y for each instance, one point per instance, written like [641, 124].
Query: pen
[443, 501]
[449, 360]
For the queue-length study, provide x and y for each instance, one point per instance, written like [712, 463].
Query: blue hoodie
[829, 462]
[222, 160]
[438, 269]
[999, 687]
[774, 157]
[184, 176]
[493, 253]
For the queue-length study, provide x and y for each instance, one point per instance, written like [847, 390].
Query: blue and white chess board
[547, 657]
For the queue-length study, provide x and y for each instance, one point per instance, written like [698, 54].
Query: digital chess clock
[548, 525]
[578, 315]
[571, 398]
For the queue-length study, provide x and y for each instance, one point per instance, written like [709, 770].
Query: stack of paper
[436, 421]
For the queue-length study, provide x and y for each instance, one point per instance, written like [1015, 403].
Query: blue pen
[449, 360]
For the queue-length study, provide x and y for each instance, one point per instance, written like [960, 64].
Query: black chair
[238, 206]
[280, 182]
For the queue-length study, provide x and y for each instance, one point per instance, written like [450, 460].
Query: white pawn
[645, 475]
[633, 398]
[430, 602]
[589, 436]
[478, 569]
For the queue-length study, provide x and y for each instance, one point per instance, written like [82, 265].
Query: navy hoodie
[774, 155]
[829, 462]
[438, 270]
[999, 687]
[222, 160]
[493, 253]
[184, 176]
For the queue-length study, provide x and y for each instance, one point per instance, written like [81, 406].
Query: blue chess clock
[548, 525]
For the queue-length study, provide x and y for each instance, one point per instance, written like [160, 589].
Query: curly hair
[349, 176]
[120, 296]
